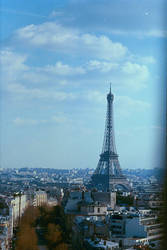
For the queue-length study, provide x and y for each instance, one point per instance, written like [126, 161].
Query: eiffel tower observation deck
[108, 174]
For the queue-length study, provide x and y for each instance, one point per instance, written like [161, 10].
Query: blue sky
[57, 60]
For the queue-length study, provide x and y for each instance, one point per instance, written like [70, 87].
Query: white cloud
[95, 96]
[19, 78]
[124, 74]
[134, 68]
[35, 76]
[63, 69]
[127, 105]
[132, 102]
[124, 106]
[14, 69]
[16, 75]
[102, 47]
[12, 62]
[148, 60]
[20, 121]
[103, 66]
[123, 102]
[65, 40]
[47, 34]
[60, 118]
[158, 33]
[134, 75]
[39, 93]
[13, 66]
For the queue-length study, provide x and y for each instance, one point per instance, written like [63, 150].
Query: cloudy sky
[57, 60]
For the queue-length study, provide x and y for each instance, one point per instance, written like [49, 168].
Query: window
[91, 209]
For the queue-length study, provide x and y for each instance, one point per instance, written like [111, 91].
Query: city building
[5, 235]
[101, 244]
[18, 205]
[89, 202]
[133, 228]
[40, 198]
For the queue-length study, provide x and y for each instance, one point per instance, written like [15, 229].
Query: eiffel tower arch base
[103, 183]
[117, 183]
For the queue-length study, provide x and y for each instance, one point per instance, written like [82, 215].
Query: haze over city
[56, 65]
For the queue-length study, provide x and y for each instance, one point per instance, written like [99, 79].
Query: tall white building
[17, 207]
[132, 229]
[40, 198]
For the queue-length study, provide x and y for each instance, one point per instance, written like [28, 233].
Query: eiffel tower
[108, 174]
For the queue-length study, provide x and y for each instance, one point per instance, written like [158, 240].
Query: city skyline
[58, 59]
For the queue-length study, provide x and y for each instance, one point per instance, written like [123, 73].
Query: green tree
[26, 239]
[62, 246]
[30, 216]
[54, 235]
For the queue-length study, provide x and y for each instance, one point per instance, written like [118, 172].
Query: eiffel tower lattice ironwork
[108, 174]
